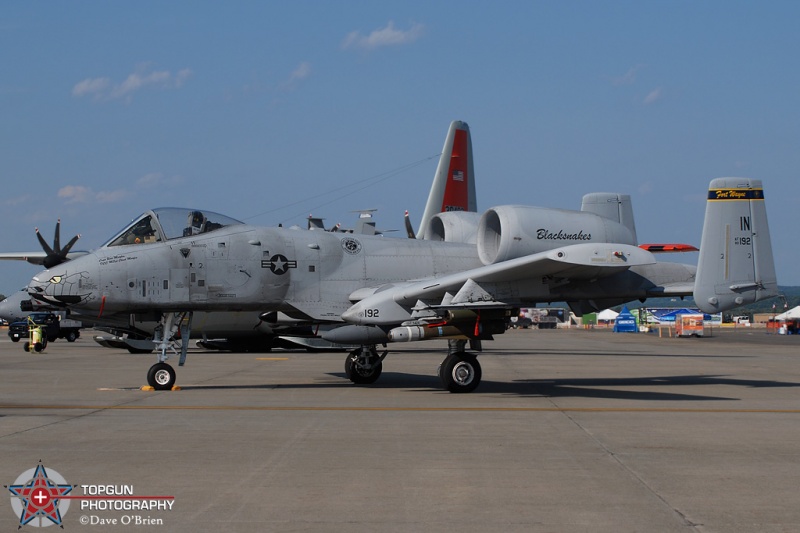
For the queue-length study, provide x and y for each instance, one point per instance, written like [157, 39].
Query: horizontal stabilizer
[671, 289]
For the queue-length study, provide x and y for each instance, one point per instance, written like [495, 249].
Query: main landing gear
[460, 371]
[173, 331]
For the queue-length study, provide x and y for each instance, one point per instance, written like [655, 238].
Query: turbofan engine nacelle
[453, 226]
[511, 231]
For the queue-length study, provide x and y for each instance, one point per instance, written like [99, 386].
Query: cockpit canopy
[166, 223]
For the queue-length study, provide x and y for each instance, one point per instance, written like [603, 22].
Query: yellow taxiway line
[400, 409]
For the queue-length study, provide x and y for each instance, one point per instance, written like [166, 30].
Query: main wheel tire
[359, 375]
[161, 376]
[460, 372]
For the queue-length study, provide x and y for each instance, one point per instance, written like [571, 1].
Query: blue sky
[269, 111]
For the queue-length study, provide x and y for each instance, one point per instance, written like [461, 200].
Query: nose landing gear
[161, 376]
[363, 365]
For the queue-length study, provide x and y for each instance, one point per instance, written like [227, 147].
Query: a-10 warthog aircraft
[461, 281]
[240, 330]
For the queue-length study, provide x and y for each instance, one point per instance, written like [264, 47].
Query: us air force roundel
[279, 264]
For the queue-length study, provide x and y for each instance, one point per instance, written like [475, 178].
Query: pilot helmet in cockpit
[197, 222]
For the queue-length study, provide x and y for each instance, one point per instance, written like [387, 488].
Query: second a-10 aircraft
[462, 281]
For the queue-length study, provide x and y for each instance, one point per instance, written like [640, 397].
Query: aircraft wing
[35, 258]
[495, 285]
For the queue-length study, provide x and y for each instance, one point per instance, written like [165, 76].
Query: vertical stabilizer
[453, 186]
[613, 206]
[735, 265]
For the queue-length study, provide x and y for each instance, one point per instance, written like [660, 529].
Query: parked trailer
[687, 325]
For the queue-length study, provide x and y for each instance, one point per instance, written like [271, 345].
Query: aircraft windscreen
[170, 223]
[142, 230]
[176, 222]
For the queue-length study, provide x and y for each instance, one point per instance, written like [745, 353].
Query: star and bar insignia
[278, 264]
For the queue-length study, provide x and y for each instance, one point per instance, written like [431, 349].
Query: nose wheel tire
[460, 372]
[161, 376]
[362, 370]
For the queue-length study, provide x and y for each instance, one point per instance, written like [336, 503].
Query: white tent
[791, 314]
[607, 315]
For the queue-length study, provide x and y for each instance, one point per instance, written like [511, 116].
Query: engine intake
[511, 231]
[453, 226]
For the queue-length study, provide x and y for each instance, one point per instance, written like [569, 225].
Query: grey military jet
[11, 306]
[237, 330]
[461, 282]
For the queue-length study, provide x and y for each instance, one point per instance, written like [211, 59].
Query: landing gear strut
[161, 376]
[363, 365]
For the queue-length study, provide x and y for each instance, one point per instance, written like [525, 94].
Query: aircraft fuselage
[308, 274]
[243, 268]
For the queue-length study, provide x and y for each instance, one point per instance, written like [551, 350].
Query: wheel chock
[146, 388]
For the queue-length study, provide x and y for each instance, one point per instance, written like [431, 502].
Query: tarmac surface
[569, 431]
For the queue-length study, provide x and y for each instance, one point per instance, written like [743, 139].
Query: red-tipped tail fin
[453, 186]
